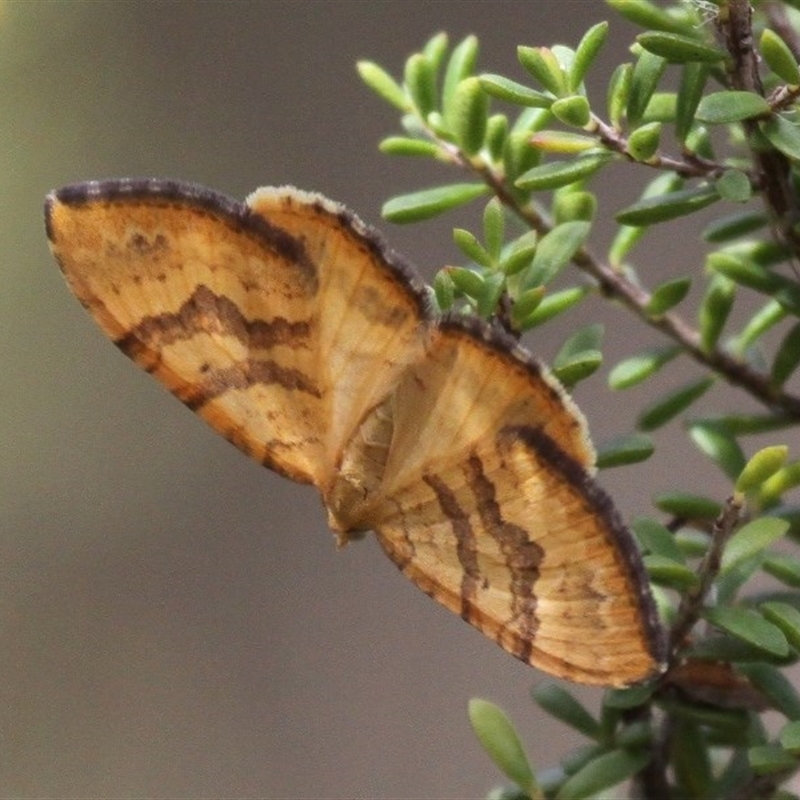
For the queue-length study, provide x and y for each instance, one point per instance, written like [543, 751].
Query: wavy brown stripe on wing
[466, 546]
[207, 312]
[522, 556]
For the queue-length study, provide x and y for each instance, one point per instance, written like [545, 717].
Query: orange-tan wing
[279, 336]
[488, 507]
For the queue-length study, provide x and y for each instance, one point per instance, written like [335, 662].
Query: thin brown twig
[687, 167]
[613, 284]
[692, 601]
[734, 26]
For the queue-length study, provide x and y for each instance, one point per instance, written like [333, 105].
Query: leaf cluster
[726, 138]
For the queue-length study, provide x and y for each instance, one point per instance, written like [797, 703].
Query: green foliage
[531, 146]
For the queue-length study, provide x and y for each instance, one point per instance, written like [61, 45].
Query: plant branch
[687, 166]
[734, 25]
[615, 285]
[692, 601]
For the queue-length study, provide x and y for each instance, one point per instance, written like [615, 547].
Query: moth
[290, 328]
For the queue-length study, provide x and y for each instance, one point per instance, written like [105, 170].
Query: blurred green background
[174, 619]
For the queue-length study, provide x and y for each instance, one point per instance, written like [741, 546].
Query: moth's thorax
[354, 491]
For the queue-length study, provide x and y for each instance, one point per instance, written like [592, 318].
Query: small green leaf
[779, 483]
[754, 276]
[519, 254]
[470, 246]
[420, 82]
[590, 337]
[469, 110]
[647, 72]
[693, 80]
[674, 403]
[494, 228]
[720, 447]
[585, 53]
[383, 84]
[775, 686]
[544, 66]
[666, 572]
[750, 540]
[678, 49]
[531, 119]
[499, 739]
[629, 697]
[733, 186]
[783, 135]
[750, 627]
[429, 203]
[603, 772]
[467, 281]
[783, 567]
[787, 357]
[668, 295]
[444, 290]
[668, 206]
[689, 756]
[405, 146]
[573, 206]
[723, 647]
[762, 465]
[643, 142]
[572, 110]
[562, 142]
[638, 368]
[735, 225]
[578, 758]
[765, 759]
[496, 134]
[747, 424]
[779, 57]
[661, 108]
[691, 542]
[618, 94]
[579, 356]
[626, 449]
[656, 538]
[731, 106]
[763, 252]
[763, 320]
[647, 15]
[553, 253]
[714, 310]
[684, 505]
[512, 92]
[561, 173]
[527, 303]
[552, 305]
[572, 369]
[786, 617]
[460, 66]
[635, 734]
[487, 302]
[789, 737]
[559, 703]
[518, 155]
[435, 49]
[627, 236]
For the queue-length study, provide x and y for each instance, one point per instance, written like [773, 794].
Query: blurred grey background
[174, 619]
